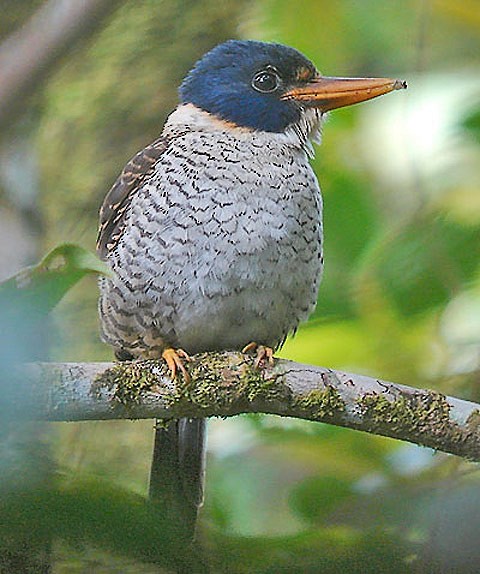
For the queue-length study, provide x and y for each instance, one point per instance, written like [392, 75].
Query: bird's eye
[266, 81]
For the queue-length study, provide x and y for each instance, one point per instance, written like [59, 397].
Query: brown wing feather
[117, 200]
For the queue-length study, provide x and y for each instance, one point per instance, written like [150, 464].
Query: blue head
[243, 81]
[268, 87]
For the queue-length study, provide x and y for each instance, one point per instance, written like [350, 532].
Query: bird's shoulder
[118, 199]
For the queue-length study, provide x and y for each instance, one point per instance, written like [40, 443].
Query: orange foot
[174, 359]
[264, 354]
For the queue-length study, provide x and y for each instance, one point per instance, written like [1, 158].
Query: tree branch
[28, 55]
[225, 384]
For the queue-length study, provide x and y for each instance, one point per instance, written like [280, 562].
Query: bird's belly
[218, 295]
[262, 307]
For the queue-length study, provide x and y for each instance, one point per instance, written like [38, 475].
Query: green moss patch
[324, 405]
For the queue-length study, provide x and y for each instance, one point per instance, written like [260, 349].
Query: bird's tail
[178, 471]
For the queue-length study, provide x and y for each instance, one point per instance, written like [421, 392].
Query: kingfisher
[213, 232]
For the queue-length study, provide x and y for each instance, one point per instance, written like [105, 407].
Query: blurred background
[400, 298]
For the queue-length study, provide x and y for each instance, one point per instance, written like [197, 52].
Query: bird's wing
[117, 200]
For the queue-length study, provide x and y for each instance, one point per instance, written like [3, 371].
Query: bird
[213, 232]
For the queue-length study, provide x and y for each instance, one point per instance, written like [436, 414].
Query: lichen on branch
[228, 383]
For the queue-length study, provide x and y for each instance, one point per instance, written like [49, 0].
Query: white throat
[299, 135]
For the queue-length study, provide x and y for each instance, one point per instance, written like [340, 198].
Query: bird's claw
[264, 354]
[250, 347]
[174, 359]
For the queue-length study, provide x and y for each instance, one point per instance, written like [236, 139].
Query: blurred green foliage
[400, 297]
[39, 288]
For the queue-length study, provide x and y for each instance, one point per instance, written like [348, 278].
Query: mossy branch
[225, 384]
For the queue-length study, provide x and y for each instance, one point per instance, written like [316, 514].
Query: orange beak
[327, 93]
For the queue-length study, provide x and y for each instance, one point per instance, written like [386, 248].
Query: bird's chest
[232, 209]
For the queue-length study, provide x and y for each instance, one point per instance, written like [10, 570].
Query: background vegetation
[400, 299]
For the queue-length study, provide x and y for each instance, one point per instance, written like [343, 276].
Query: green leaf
[40, 287]
[421, 265]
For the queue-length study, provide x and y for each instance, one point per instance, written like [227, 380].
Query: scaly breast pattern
[222, 246]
